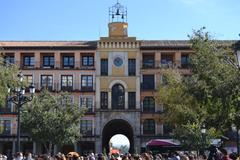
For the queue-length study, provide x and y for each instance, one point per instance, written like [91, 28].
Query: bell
[112, 16]
[118, 12]
[122, 16]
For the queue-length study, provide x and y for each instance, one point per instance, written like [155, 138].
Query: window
[67, 100]
[86, 127]
[164, 80]
[6, 125]
[185, 61]
[118, 94]
[148, 104]
[148, 82]
[149, 126]
[132, 100]
[148, 61]
[28, 61]
[87, 102]
[167, 129]
[9, 105]
[48, 61]
[166, 60]
[87, 61]
[87, 83]
[7, 108]
[28, 79]
[67, 83]
[104, 67]
[68, 61]
[47, 82]
[131, 67]
[9, 59]
[104, 100]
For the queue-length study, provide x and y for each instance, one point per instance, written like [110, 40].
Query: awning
[162, 142]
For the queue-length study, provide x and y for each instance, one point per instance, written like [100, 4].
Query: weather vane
[118, 13]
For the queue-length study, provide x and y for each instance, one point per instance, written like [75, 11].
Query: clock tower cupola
[118, 21]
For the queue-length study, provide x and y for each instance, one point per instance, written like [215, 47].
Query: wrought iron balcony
[162, 64]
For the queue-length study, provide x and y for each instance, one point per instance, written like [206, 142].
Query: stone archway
[117, 126]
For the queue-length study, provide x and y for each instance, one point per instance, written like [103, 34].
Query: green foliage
[180, 107]
[210, 95]
[215, 81]
[191, 137]
[124, 149]
[104, 152]
[1, 128]
[52, 119]
[8, 78]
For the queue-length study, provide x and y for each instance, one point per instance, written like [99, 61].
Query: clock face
[118, 62]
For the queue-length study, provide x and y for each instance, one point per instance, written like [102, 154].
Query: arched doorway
[119, 143]
[117, 126]
[118, 97]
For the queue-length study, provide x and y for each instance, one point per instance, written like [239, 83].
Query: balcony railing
[57, 87]
[57, 65]
[7, 110]
[146, 86]
[6, 132]
[86, 132]
[163, 65]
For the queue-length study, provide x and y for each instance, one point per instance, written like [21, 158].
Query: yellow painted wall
[130, 81]
[132, 54]
[118, 71]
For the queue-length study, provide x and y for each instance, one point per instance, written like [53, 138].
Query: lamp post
[17, 96]
[203, 132]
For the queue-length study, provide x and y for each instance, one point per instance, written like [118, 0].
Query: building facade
[116, 78]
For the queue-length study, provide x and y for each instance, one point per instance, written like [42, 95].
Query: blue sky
[88, 19]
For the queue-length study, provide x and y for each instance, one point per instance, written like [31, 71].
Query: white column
[155, 81]
[98, 145]
[126, 100]
[75, 147]
[126, 64]
[13, 147]
[109, 100]
[110, 63]
[138, 105]
[34, 147]
[98, 63]
[55, 149]
[98, 93]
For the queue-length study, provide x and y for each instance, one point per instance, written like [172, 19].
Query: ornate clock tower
[118, 83]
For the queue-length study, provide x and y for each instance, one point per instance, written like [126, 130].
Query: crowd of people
[215, 154]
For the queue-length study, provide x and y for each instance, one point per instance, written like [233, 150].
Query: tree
[52, 119]
[124, 149]
[183, 112]
[208, 96]
[215, 81]
[8, 77]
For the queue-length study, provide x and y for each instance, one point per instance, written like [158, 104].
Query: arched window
[118, 94]
[149, 126]
[148, 104]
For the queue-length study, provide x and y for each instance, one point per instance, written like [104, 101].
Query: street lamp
[16, 95]
[203, 132]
